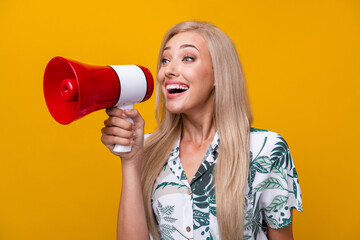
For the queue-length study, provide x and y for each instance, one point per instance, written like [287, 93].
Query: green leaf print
[259, 168]
[212, 205]
[271, 222]
[257, 130]
[264, 143]
[279, 170]
[164, 184]
[286, 222]
[166, 231]
[295, 173]
[262, 164]
[165, 212]
[252, 218]
[264, 161]
[164, 168]
[251, 178]
[248, 225]
[277, 203]
[211, 237]
[183, 176]
[200, 219]
[168, 210]
[281, 154]
[300, 206]
[170, 219]
[270, 183]
[294, 188]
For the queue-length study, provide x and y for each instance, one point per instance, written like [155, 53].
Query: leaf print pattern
[272, 221]
[258, 130]
[204, 198]
[278, 202]
[270, 183]
[213, 205]
[281, 154]
[280, 171]
[200, 219]
[272, 191]
[295, 188]
[165, 213]
[164, 184]
[272, 170]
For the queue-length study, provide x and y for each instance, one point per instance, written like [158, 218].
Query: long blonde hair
[233, 117]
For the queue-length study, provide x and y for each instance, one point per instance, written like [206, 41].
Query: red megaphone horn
[73, 89]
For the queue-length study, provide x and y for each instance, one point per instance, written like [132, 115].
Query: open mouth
[176, 88]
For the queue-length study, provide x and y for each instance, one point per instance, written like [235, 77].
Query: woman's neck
[198, 128]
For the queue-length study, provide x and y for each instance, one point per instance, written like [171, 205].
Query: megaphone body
[73, 89]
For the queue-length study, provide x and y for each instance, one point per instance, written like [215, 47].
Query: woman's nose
[171, 70]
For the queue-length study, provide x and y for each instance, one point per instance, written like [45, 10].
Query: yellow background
[301, 61]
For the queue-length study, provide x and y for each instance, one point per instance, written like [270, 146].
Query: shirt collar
[176, 150]
[209, 159]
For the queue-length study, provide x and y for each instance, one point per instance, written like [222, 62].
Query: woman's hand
[118, 130]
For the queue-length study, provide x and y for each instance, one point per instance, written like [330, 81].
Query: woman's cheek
[161, 76]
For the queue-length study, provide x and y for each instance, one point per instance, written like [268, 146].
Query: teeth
[176, 86]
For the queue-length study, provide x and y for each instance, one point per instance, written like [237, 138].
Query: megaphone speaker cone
[74, 89]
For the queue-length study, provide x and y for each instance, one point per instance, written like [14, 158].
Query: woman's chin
[174, 109]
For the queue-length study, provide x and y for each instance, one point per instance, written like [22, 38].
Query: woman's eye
[188, 59]
[164, 60]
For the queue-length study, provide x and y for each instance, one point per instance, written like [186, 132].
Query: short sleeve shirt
[188, 211]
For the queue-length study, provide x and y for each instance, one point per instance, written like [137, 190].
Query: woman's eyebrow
[189, 45]
[183, 46]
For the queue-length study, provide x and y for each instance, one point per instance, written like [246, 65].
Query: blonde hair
[233, 117]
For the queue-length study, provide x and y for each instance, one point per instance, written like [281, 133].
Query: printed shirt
[188, 211]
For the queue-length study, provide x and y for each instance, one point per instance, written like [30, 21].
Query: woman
[203, 140]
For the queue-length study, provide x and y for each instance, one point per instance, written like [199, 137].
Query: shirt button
[188, 229]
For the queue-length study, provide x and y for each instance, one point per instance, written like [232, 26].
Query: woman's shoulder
[267, 143]
[257, 132]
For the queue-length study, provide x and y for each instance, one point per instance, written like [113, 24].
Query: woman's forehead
[186, 39]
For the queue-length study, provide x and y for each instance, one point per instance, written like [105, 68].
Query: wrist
[128, 165]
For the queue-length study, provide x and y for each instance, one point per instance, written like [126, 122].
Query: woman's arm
[281, 233]
[131, 217]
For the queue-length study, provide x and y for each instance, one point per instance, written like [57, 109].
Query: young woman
[204, 173]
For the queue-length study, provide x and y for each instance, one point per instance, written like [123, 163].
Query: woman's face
[186, 74]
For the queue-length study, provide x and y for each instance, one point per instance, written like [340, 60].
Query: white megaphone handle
[122, 148]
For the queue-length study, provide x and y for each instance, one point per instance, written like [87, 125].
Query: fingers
[111, 140]
[116, 135]
[135, 116]
[118, 130]
[115, 113]
[118, 122]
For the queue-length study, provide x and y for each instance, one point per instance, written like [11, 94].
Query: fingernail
[123, 115]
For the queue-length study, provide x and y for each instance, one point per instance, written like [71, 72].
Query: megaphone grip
[122, 148]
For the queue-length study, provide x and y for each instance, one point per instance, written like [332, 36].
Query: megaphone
[73, 89]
